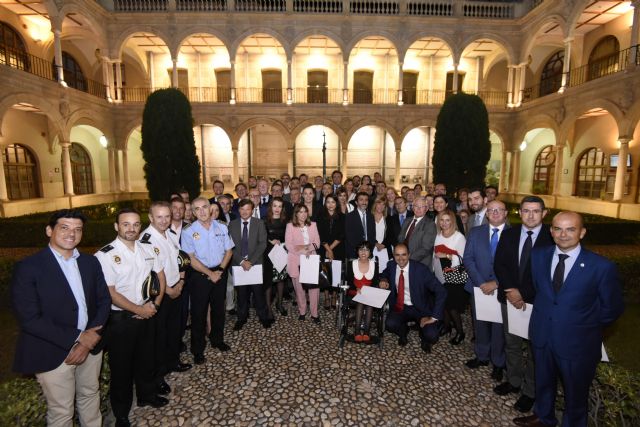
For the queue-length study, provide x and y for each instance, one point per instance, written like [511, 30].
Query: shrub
[614, 398]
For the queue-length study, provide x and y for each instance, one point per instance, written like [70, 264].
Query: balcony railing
[493, 98]
[478, 9]
[140, 5]
[430, 8]
[317, 6]
[201, 5]
[261, 5]
[26, 62]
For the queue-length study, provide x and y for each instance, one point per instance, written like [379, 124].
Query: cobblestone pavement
[294, 374]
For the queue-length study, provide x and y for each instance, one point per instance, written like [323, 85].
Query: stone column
[503, 172]
[557, 172]
[174, 72]
[236, 167]
[523, 74]
[152, 70]
[57, 55]
[345, 83]
[400, 82]
[479, 71]
[112, 169]
[634, 33]
[397, 177]
[621, 170]
[510, 78]
[118, 65]
[116, 164]
[125, 171]
[454, 84]
[4, 195]
[232, 78]
[289, 83]
[515, 169]
[106, 78]
[566, 64]
[345, 165]
[66, 168]
[291, 153]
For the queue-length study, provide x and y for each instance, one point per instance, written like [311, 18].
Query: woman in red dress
[365, 273]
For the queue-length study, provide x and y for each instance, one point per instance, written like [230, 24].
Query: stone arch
[315, 122]
[204, 119]
[388, 127]
[574, 14]
[373, 32]
[183, 35]
[50, 110]
[504, 43]
[318, 31]
[532, 34]
[414, 37]
[237, 134]
[541, 121]
[408, 127]
[126, 33]
[95, 32]
[125, 134]
[233, 48]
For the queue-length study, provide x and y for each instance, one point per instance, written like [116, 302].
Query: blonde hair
[452, 217]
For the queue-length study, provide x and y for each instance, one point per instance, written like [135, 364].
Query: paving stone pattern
[294, 374]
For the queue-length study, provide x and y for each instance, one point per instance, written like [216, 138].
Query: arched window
[12, 50]
[551, 77]
[592, 174]
[73, 75]
[543, 171]
[81, 169]
[604, 57]
[21, 172]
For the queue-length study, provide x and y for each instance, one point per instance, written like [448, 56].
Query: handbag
[456, 275]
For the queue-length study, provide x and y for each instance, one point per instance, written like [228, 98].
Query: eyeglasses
[495, 211]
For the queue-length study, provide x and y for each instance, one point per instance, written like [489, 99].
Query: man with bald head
[578, 294]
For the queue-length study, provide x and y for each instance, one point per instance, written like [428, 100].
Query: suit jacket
[293, 237]
[223, 218]
[507, 262]
[257, 240]
[472, 218]
[47, 310]
[422, 239]
[394, 227]
[428, 295]
[571, 320]
[354, 232]
[478, 259]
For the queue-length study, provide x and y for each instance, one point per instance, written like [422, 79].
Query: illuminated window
[592, 173]
[12, 50]
[543, 171]
[21, 172]
[551, 77]
[81, 169]
[73, 75]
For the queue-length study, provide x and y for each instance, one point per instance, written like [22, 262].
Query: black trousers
[131, 359]
[168, 338]
[205, 293]
[397, 324]
[244, 294]
[186, 298]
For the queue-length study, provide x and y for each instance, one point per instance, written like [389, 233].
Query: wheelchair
[346, 313]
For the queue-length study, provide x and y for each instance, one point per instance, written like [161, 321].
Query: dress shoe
[426, 347]
[122, 422]
[266, 324]
[199, 359]
[163, 388]
[301, 317]
[222, 346]
[476, 363]
[358, 338]
[402, 341]
[153, 401]
[505, 388]
[366, 338]
[457, 339]
[445, 330]
[315, 320]
[529, 421]
[232, 312]
[239, 324]
[496, 373]
[281, 310]
[181, 367]
[524, 403]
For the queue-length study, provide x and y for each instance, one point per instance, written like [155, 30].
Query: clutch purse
[456, 275]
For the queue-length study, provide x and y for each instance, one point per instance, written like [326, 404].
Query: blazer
[422, 239]
[507, 262]
[292, 238]
[394, 227]
[571, 320]
[428, 295]
[331, 231]
[354, 232]
[477, 258]
[47, 310]
[257, 240]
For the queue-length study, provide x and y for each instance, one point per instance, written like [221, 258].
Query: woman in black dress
[276, 223]
[331, 229]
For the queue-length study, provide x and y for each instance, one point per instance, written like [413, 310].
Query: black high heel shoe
[457, 339]
[281, 310]
[445, 330]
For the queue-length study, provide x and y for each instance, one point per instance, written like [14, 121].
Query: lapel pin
[582, 264]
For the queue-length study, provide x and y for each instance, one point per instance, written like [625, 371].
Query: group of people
[135, 297]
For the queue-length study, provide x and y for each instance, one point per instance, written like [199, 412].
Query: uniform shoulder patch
[106, 249]
[146, 238]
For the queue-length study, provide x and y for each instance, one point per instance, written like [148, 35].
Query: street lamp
[324, 155]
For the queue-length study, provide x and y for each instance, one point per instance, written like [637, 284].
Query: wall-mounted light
[523, 146]
[103, 141]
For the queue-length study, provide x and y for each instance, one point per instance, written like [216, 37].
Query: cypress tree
[461, 148]
[168, 146]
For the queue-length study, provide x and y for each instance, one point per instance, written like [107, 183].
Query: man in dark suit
[62, 302]
[416, 295]
[242, 192]
[225, 202]
[512, 266]
[396, 221]
[263, 190]
[578, 294]
[419, 234]
[355, 223]
[479, 252]
[250, 238]
[259, 209]
[478, 206]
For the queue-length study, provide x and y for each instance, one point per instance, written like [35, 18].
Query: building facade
[273, 81]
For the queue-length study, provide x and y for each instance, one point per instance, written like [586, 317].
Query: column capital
[65, 144]
[398, 150]
[624, 140]
[291, 150]
[568, 40]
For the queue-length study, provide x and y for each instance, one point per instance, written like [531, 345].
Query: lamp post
[324, 156]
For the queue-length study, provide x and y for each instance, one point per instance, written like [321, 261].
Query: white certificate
[374, 297]
[278, 257]
[309, 268]
[383, 258]
[336, 272]
[519, 320]
[487, 306]
[604, 357]
[251, 277]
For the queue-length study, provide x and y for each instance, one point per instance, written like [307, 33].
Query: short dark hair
[176, 200]
[478, 189]
[125, 211]
[491, 186]
[159, 203]
[365, 244]
[533, 199]
[245, 202]
[66, 213]
[362, 193]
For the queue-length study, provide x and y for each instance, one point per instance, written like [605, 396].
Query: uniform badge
[196, 235]
[156, 250]
[116, 259]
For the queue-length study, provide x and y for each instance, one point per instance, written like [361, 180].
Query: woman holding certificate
[275, 222]
[362, 272]
[331, 229]
[302, 238]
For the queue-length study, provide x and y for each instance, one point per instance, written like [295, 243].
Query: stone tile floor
[294, 374]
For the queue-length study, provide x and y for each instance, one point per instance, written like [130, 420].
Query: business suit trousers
[186, 301]
[168, 339]
[205, 293]
[131, 350]
[397, 323]
[520, 366]
[301, 298]
[489, 342]
[244, 294]
[68, 382]
[576, 376]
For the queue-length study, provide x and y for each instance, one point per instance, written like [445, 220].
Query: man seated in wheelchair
[416, 295]
[362, 271]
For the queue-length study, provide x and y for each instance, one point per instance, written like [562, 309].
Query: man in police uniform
[167, 320]
[127, 265]
[209, 246]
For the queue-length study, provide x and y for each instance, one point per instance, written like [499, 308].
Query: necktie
[244, 250]
[407, 236]
[558, 273]
[526, 252]
[364, 224]
[400, 297]
[264, 200]
[410, 207]
[256, 212]
[494, 240]
[478, 220]
[401, 220]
